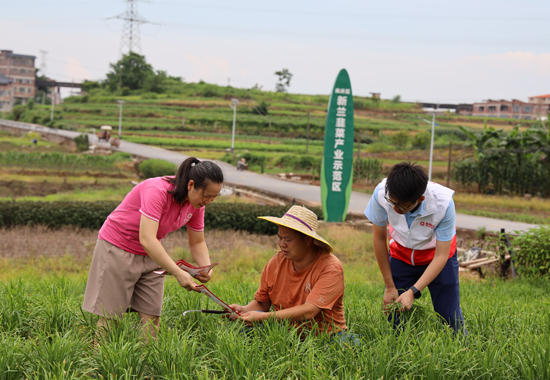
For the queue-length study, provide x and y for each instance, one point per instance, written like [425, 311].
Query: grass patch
[57, 176]
[44, 333]
[55, 185]
[514, 216]
[204, 154]
[534, 204]
[85, 195]
[10, 143]
[519, 209]
[8, 139]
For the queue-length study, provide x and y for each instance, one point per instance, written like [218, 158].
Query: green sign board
[337, 164]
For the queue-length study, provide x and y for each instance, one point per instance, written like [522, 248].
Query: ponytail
[200, 172]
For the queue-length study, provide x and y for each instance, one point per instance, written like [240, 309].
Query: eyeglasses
[403, 209]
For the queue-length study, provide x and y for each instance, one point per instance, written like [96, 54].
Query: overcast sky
[442, 51]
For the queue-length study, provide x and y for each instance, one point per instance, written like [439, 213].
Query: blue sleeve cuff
[374, 212]
[446, 229]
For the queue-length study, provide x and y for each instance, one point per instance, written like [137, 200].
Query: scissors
[206, 312]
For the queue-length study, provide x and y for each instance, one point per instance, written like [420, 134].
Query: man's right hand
[186, 281]
[390, 294]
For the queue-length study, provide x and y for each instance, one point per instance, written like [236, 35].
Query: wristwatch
[416, 292]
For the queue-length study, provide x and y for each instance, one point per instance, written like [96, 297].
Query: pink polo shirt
[149, 198]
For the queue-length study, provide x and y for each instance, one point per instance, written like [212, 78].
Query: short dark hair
[406, 182]
[200, 172]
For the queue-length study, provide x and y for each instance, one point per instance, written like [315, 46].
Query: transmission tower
[130, 40]
[43, 63]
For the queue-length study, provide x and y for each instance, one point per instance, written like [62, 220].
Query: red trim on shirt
[420, 257]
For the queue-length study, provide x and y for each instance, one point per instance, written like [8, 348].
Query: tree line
[513, 163]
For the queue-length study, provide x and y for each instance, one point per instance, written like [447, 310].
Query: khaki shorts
[120, 280]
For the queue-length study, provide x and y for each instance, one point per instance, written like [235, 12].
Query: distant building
[465, 109]
[512, 109]
[540, 99]
[6, 95]
[19, 69]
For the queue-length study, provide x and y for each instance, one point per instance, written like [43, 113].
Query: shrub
[209, 91]
[421, 140]
[262, 108]
[234, 216]
[400, 138]
[244, 216]
[76, 99]
[82, 143]
[378, 147]
[17, 112]
[149, 95]
[56, 214]
[367, 168]
[156, 168]
[533, 252]
[89, 85]
[299, 162]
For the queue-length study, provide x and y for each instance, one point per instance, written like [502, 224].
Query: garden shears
[206, 312]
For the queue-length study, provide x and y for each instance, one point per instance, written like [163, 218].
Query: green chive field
[45, 335]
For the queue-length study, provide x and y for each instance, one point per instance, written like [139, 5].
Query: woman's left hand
[204, 277]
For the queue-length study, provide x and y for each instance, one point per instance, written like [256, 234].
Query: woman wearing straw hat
[304, 282]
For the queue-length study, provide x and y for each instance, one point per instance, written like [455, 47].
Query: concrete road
[301, 192]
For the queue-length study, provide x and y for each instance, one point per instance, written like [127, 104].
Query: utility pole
[130, 40]
[234, 106]
[432, 142]
[307, 141]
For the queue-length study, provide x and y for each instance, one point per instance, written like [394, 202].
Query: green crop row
[58, 160]
[217, 144]
[233, 216]
[44, 334]
[225, 137]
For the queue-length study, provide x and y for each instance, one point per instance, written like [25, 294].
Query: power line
[131, 33]
[309, 12]
[379, 38]
[46, 4]
[377, 16]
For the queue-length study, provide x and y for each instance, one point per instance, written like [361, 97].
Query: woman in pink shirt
[129, 246]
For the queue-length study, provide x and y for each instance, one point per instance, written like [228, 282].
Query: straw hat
[302, 220]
